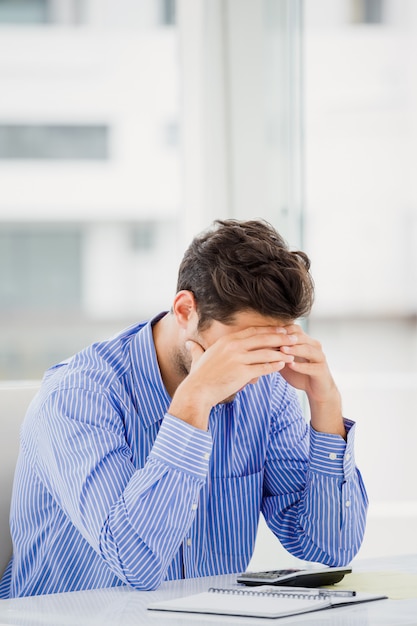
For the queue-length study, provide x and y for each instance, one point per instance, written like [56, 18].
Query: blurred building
[121, 136]
[90, 172]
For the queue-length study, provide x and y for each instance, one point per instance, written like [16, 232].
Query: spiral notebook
[268, 601]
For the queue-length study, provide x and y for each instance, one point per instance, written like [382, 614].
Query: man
[150, 456]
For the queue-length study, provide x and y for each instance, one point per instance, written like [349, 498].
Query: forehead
[242, 320]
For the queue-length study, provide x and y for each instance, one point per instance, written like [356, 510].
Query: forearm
[145, 531]
[188, 405]
[322, 529]
[148, 524]
[324, 519]
[326, 416]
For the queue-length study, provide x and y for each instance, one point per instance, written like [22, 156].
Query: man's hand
[230, 363]
[309, 372]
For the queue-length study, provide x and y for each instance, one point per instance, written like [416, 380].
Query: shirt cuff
[183, 447]
[331, 455]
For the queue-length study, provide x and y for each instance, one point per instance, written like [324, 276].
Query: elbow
[341, 559]
[145, 585]
[146, 577]
[135, 563]
[339, 551]
[342, 554]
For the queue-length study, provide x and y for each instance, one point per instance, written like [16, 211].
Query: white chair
[14, 400]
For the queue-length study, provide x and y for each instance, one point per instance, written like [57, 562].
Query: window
[24, 11]
[367, 11]
[53, 142]
[41, 11]
[168, 12]
[40, 268]
[143, 236]
[171, 134]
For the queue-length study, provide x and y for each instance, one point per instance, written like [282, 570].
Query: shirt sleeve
[158, 505]
[135, 519]
[314, 497]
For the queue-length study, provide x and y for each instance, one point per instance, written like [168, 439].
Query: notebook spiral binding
[272, 594]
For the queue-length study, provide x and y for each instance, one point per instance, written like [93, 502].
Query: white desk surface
[123, 606]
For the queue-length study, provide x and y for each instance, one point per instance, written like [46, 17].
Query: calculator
[315, 577]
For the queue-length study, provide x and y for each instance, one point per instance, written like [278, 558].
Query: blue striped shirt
[110, 489]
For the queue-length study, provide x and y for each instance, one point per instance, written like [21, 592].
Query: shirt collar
[153, 399]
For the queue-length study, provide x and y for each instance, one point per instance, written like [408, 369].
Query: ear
[185, 309]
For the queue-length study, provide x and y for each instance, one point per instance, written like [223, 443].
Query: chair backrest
[14, 400]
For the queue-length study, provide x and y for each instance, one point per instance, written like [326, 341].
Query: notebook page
[253, 605]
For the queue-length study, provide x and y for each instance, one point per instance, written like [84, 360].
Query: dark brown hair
[238, 266]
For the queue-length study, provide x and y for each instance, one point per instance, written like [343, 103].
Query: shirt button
[332, 456]
[206, 455]
[193, 507]
[347, 456]
[189, 541]
[347, 503]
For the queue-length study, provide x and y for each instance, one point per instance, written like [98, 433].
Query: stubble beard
[181, 361]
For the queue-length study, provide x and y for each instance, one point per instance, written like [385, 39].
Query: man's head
[245, 266]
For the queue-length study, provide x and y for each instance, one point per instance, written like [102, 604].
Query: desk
[123, 606]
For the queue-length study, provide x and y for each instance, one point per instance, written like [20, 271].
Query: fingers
[305, 352]
[307, 367]
[257, 351]
[267, 344]
[261, 349]
[194, 349]
[309, 361]
[259, 337]
[265, 355]
[304, 348]
[241, 356]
